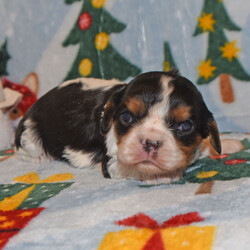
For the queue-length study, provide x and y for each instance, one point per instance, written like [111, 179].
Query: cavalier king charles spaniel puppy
[150, 129]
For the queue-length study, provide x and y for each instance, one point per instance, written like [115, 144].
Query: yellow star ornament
[206, 22]
[206, 69]
[230, 51]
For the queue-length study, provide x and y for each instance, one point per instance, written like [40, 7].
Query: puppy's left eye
[185, 127]
[126, 118]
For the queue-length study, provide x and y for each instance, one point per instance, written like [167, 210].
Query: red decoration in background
[140, 220]
[11, 222]
[143, 221]
[182, 220]
[234, 162]
[218, 157]
[155, 242]
[28, 96]
[9, 151]
[84, 21]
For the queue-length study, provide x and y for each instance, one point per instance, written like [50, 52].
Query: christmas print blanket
[55, 206]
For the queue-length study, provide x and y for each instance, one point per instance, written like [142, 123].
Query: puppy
[150, 129]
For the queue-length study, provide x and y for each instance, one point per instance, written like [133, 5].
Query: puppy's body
[65, 125]
[150, 129]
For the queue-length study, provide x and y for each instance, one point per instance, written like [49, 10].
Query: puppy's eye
[126, 118]
[185, 127]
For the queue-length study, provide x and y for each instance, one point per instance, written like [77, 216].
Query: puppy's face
[158, 122]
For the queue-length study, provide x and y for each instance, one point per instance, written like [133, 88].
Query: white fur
[91, 83]
[77, 159]
[203, 153]
[31, 148]
[6, 131]
[111, 143]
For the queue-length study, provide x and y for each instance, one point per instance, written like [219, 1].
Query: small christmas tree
[169, 62]
[96, 57]
[222, 55]
[4, 57]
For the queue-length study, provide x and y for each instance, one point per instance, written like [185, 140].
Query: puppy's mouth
[147, 162]
[148, 166]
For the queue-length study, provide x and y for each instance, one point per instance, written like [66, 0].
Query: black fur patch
[69, 116]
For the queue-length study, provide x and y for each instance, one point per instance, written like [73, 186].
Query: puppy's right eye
[126, 118]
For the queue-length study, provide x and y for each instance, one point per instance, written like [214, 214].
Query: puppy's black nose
[149, 145]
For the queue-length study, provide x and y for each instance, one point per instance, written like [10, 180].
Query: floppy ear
[214, 137]
[110, 108]
[209, 128]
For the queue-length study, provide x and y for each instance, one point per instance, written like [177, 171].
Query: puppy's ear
[214, 137]
[110, 108]
[208, 127]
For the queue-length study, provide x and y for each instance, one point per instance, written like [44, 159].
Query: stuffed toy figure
[15, 100]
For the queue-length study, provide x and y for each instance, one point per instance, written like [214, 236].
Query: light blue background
[32, 26]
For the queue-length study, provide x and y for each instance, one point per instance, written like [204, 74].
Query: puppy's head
[157, 122]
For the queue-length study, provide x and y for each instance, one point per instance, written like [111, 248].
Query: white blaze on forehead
[91, 83]
[159, 111]
[166, 86]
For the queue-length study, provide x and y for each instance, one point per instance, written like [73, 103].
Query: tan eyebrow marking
[181, 113]
[135, 105]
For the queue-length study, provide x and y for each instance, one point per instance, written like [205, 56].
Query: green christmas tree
[222, 55]
[169, 62]
[96, 56]
[4, 57]
[221, 167]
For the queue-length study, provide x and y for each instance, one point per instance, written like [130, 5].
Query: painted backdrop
[207, 40]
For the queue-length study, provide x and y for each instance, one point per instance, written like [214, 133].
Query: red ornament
[234, 162]
[84, 21]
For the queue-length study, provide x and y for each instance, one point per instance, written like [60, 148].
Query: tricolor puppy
[150, 129]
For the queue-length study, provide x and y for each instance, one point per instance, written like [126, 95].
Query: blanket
[54, 206]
